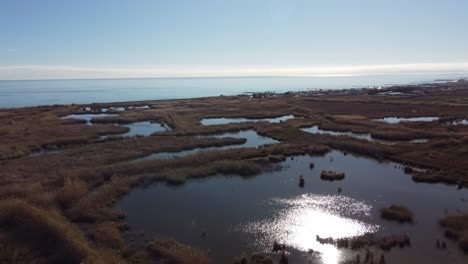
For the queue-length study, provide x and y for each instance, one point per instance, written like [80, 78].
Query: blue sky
[149, 38]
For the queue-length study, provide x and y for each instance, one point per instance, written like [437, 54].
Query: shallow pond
[364, 136]
[253, 140]
[88, 117]
[223, 120]
[395, 120]
[145, 128]
[243, 215]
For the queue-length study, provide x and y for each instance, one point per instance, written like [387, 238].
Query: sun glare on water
[299, 220]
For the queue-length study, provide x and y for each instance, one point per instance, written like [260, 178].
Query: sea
[24, 93]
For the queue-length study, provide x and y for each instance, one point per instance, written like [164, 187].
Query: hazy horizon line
[243, 76]
[60, 72]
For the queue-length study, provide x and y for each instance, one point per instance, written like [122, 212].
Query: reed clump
[276, 158]
[397, 213]
[367, 240]
[456, 228]
[332, 175]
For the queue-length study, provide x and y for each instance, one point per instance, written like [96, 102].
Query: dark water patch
[253, 140]
[224, 121]
[145, 128]
[240, 216]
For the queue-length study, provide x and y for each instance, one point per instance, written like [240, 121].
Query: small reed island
[332, 175]
[397, 213]
[456, 229]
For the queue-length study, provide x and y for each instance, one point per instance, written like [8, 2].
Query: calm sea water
[46, 92]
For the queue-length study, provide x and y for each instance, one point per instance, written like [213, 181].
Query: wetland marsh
[163, 181]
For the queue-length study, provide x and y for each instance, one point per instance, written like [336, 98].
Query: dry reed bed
[95, 155]
[47, 234]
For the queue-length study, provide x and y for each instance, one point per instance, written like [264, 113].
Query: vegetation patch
[173, 252]
[332, 175]
[46, 232]
[397, 213]
[456, 228]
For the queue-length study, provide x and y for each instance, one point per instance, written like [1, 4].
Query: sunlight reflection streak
[301, 219]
